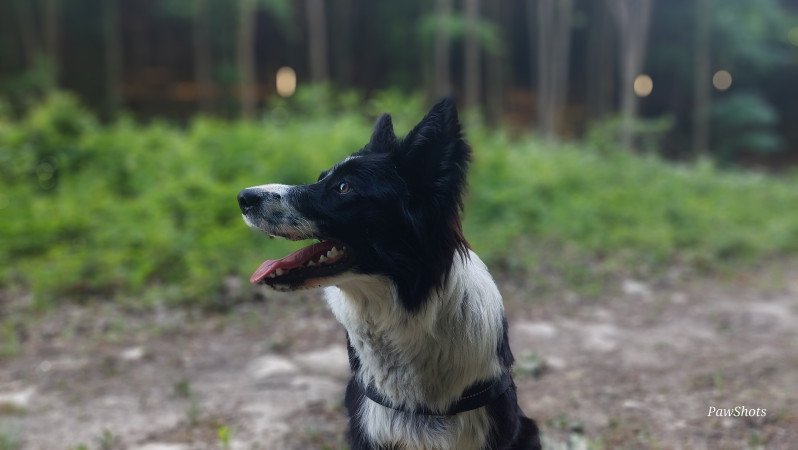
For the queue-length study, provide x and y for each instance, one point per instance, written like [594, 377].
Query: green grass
[149, 211]
[623, 211]
[9, 441]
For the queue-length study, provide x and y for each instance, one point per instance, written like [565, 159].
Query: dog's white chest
[425, 358]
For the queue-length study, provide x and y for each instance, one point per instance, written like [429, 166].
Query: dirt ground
[637, 368]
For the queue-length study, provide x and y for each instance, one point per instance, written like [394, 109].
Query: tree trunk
[473, 72]
[494, 75]
[544, 44]
[52, 26]
[554, 19]
[28, 35]
[368, 59]
[442, 77]
[702, 78]
[245, 58]
[601, 72]
[317, 40]
[113, 56]
[203, 59]
[342, 45]
[632, 18]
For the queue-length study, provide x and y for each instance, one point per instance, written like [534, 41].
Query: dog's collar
[475, 396]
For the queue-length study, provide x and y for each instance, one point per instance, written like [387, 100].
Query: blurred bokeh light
[644, 85]
[286, 81]
[722, 80]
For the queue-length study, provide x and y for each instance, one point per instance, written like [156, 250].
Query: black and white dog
[425, 322]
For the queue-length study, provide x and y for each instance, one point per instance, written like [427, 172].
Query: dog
[425, 325]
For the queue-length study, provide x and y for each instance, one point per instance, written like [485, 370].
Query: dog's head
[391, 208]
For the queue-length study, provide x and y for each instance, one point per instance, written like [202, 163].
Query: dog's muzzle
[269, 209]
[250, 199]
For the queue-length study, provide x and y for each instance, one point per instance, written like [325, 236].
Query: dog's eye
[343, 187]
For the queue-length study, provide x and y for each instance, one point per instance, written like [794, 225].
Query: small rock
[555, 362]
[634, 288]
[633, 404]
[132, 354]
[333, 361]
[532, 330]
[271, 365]
[600, 337]
[240, 445]
[19, 399]
[44, 366]
[162, 446]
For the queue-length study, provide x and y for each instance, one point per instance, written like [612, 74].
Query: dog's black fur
[401, 217]
[396, 206]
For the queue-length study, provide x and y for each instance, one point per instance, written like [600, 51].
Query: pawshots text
[737, 411]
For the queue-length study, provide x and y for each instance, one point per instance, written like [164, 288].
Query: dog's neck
[426, 358]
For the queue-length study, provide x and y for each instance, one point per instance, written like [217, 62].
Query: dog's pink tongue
[265, 268]
[297, 259]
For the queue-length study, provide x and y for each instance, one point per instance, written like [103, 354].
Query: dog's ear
[383, 137]
[433, 158]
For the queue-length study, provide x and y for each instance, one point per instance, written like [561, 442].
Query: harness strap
[475, 396]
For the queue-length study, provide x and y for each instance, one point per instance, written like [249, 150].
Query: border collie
[425, 325]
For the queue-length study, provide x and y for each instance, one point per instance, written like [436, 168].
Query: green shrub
[744, 123]
[604, 135]
[150, 210]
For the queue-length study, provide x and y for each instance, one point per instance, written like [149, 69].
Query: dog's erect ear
[383, 137]
[433, 158]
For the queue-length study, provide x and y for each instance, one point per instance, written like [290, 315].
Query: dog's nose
[248, 199]
[251, 197]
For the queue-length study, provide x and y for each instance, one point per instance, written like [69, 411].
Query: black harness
[475, 396]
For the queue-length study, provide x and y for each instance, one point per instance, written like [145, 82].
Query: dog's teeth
[279, 272]
[322, 258]
[272, 275]
[311, 263]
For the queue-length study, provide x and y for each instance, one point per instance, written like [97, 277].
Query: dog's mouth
[320, 260]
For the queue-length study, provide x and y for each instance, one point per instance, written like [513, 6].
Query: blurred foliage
[750, 35]
[456, 27]
[22, 89]
[747, 38]
[149, 211]
[605, 135]
[178, 57]
[744, 122]
[281, 10]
